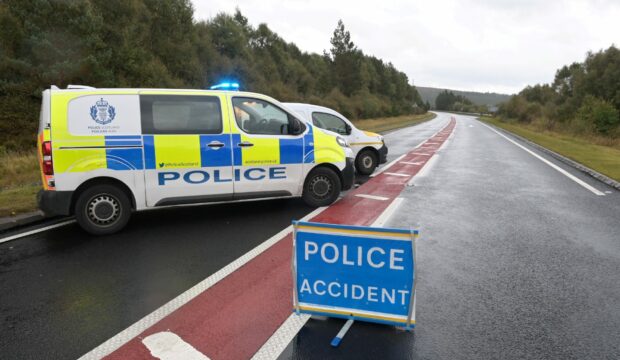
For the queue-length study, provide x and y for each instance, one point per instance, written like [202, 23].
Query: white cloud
[484, 45]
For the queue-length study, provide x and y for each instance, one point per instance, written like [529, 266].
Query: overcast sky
[486, 45]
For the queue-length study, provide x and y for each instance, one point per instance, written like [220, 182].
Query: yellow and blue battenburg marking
[124, 152]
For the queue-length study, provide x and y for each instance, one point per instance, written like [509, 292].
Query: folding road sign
[354, 272]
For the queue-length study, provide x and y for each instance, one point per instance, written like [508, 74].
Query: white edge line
[35, 231]
[138, 327]
[424, 170]
[280, 339]
[554, 166]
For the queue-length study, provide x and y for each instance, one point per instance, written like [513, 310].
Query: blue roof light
[225, 86]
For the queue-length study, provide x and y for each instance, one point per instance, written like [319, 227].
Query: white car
[369, 148]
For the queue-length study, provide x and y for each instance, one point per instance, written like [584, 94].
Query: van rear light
[48, 166]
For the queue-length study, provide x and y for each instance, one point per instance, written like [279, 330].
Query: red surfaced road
[236, 316]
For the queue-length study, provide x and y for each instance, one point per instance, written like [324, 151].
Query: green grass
[21, 180]
[604, 159]
[19, 183]
[391, 123]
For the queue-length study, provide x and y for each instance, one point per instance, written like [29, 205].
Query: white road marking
[396, 174]
[372, 197]
[167, 345]
[424, 170]
[554, 166]
[134, 330]
[412, 163]
[387, 166]
[280, 339]
[31, 232]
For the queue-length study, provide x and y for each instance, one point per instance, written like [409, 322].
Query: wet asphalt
[515, 261]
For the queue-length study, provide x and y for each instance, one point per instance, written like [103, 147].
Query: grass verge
[392, 123]
[604, 159]
[20, 181]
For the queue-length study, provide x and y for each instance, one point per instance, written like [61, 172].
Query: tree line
[449, 101]
[584, 98]
[152, 43]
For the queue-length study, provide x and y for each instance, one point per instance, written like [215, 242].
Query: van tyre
[366, 162]
[102, 209]
[322, 187]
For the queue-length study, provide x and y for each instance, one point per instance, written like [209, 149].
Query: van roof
[89, 89]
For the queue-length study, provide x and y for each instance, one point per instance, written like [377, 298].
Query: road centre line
[372, 197]
[554, 166]
[35, 231]
[280, 339]
[141, 325]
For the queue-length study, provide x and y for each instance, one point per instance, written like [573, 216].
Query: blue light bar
[225, 86]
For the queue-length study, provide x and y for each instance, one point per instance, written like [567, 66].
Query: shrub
[599, 114]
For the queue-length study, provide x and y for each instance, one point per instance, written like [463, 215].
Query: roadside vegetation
[142, 43]
[577, 115]
[597, 153]
[449, 101]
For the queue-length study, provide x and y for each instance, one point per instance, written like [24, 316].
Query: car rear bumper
[54, 203]
[348, 174]
[383, 151]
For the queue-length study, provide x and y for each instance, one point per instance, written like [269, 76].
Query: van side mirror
[348, 129]
[295, 127]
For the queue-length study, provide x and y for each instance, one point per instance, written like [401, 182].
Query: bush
[598, 114]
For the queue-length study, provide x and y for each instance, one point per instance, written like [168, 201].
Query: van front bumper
[383, 151]
[348, 174]
[54, 203]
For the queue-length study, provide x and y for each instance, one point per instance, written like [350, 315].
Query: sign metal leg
[336, 341]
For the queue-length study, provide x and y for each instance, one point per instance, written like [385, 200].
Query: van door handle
[245, 144]
[215, 144]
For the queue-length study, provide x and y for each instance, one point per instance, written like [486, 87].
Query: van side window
[256, 116]
[330, 122]
[180, 114]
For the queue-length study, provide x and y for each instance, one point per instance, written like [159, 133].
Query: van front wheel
[102, 209]
[322, 187]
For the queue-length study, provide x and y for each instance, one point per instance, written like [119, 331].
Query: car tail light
[48, 166]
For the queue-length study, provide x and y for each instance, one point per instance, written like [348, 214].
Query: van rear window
[180, 114]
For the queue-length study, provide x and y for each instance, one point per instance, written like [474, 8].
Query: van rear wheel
[366, 162]
[102, 209]
[322, 187]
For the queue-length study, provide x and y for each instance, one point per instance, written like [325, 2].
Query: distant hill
[429, 94]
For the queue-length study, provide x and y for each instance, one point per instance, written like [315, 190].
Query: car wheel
[366, 162]
[322, 187]
[102, 209]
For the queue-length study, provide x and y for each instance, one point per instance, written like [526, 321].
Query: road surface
[516, 260]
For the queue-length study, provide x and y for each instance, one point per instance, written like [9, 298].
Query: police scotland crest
[102, 112]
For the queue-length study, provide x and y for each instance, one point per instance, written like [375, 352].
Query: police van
[369, 149]
[107, 152]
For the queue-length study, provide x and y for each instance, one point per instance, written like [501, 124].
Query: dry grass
[19, 183]
[391, 123]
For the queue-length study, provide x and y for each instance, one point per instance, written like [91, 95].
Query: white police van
[107, 152]
[369, 148]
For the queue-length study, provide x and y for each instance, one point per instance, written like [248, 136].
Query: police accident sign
[355, 272]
